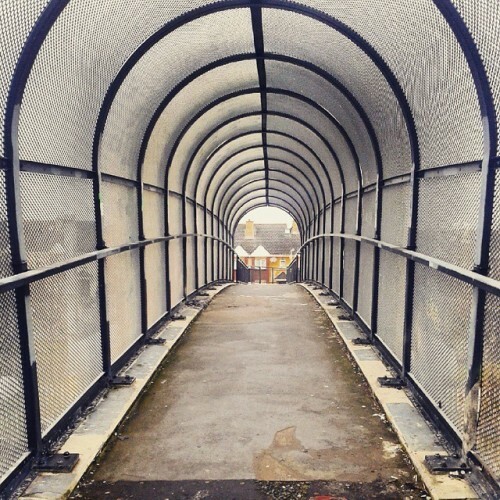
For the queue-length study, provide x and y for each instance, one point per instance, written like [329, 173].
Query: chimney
[249, 230]
[295, 228]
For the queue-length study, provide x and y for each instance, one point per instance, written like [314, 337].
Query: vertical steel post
[22, 294]
[355, 291]
[142, 258]
[376, 258]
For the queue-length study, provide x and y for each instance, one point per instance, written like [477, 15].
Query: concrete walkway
[260, 390]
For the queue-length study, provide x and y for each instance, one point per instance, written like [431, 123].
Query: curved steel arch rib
[254, 203]
[266, 56]
[231, 211]
[270, 204]
[231, 194]
[297, 169]
[272, 146]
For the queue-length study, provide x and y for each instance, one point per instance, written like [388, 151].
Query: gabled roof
[260, 251]
[240, 251]
[273, 237]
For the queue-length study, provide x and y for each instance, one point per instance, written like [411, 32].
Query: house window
[260, 262]
[283, 262]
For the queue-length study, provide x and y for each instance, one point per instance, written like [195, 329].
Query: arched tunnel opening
[137, 135]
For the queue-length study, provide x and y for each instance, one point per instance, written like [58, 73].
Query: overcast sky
[267, 215]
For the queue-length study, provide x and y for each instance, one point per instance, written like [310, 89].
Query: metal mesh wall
[289, 34]
[366, 257]
[154, 255]
[123, 297]
[123, 300]
[311, 139]
[428, 62]
[159, 70]
[73, 71]
[5, 259]
[201, 247]
[58, 214]
[391, 302]
[483, 20]
[175, 250]
[304, 82]
[351, 210]
[190, 246]
[204, 89]
[494, 257]
[337, 214]
[447, 217]
[392, 271]
[275, 145]
[67, 338]
[228, 110]
[440, 330]
[395, 214]
[305, 112]
[488, 443]
[120, 215]
[13, 433]
[255, 152]
[13, 437]
[17, 21]
[221, 136]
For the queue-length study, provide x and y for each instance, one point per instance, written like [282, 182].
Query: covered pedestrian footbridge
[136, 135]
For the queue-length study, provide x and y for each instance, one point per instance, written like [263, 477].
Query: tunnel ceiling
[164, 93]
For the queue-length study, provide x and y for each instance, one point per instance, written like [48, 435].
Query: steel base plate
[60, 462]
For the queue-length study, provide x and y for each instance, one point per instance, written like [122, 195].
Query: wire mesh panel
[190, 248]
[153, 213]
[156, 272]
[223, 112]
[447, 217]
[391, 302]
[488, 439]
[395, 214]
[283, 75]
[254, 153]
[429, 63]
[13, 434]
[290, 34]
[192, 98]
[312, 139]
[18, 19]
[5, 257]
[494, 257]
[154, 255]
[67, 339]
[318, 120]
[440, 331]
[123, 300]
[337, 215]
[392, 269]
[175, 249]
[351, 211]
[83, 52]
[122, 277]
[165, 65]
[483, 20]
[120, 214]
[58, 214]
[366, 257]
[221, 139]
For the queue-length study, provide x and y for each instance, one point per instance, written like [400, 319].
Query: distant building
[267, 248]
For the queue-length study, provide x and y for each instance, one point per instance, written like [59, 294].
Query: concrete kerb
[415, 434]
[92, 434]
